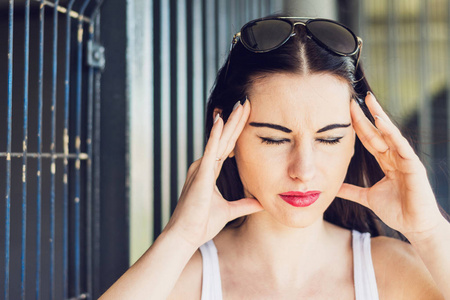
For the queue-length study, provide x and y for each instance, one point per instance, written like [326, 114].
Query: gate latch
[95, 55]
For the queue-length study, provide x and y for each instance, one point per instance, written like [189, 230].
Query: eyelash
[331, 142]
[279, 142]
[273, 142]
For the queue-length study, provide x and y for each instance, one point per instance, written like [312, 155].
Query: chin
[298, 219]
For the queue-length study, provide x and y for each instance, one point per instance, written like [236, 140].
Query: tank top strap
[211, 282]
[364, 273]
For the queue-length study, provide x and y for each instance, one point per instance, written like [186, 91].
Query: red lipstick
[300, 199]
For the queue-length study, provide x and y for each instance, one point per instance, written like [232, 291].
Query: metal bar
[165, 111]
[198, 97]
[425, 130]
[181, 97]
[210, 45]
[53, 151]
[173, 116]
[77, 283]
[94, 291]
[96, 193]
[263, 8]
[254, 9]
[90, 100]
[140, 146]
[190, 85]
[204, 62]
[89, 217]
[223, 33]
[83, 156]
[448, 106]
[89, 142]
[241, 14]
[394, 100]
[66, 156]
[25, 145]
[246, 16]
[362, 27]
[157, 118]
[8, 148]
[39, 149]
[233, 13]
[62, 9]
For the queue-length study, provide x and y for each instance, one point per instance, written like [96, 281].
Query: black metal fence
[66, 119]
[49, 108]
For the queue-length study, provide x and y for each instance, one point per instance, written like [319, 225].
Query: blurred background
[102, 108]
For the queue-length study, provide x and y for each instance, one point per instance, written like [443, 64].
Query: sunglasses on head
[267, 34]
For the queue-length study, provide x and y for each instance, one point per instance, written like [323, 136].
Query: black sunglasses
[267, 34]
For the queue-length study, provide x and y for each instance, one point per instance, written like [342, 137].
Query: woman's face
[298, 138]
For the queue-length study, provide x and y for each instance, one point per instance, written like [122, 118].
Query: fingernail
[369, 93]
[244, 100]
[236, 105]
[216, 118]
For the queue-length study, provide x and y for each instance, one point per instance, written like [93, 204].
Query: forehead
[287, 98]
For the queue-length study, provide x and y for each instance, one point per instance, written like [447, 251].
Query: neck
[283, 253]
[261, 229]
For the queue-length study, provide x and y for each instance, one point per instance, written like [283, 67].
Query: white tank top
[364, 274]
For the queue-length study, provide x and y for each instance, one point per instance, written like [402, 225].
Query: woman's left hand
[403, 199]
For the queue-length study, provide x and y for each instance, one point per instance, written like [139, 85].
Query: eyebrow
[273, 126]
[333, 126]
[287, 130]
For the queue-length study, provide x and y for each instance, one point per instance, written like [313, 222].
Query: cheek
[249, 160]
[258, 166]
[339, 160]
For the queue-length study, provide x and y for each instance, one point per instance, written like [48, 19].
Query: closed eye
[272, 141]
[330, 141]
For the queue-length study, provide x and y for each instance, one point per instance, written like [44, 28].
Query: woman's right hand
[201, 211]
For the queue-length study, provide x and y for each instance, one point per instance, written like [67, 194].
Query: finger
[375, 107]
[237, 132]
[192, 172]
[210, 154]
[239, 127]
[367, 133]
[229, 129]
[395, 139]
[243, 207]
[193, 168]
[354, 193]
[392, 135]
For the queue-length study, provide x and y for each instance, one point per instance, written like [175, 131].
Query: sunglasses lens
[265, 35]
[334, 36]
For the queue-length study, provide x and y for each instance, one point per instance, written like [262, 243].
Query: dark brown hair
[300, 55]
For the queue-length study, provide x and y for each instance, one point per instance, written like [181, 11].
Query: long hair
[299, 55]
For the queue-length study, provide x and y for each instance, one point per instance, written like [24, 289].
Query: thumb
[243, 207]
[353, 193]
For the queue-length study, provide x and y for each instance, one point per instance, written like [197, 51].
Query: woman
[302, 136]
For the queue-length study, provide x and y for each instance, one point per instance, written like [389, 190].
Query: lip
[300, 199]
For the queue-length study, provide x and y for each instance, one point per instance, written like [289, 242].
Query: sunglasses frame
[293, 21]
[299, 21]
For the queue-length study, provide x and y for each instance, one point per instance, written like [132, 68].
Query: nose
[302, 165]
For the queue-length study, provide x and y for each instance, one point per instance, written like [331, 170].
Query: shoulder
[189, 284]
[400, 272]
